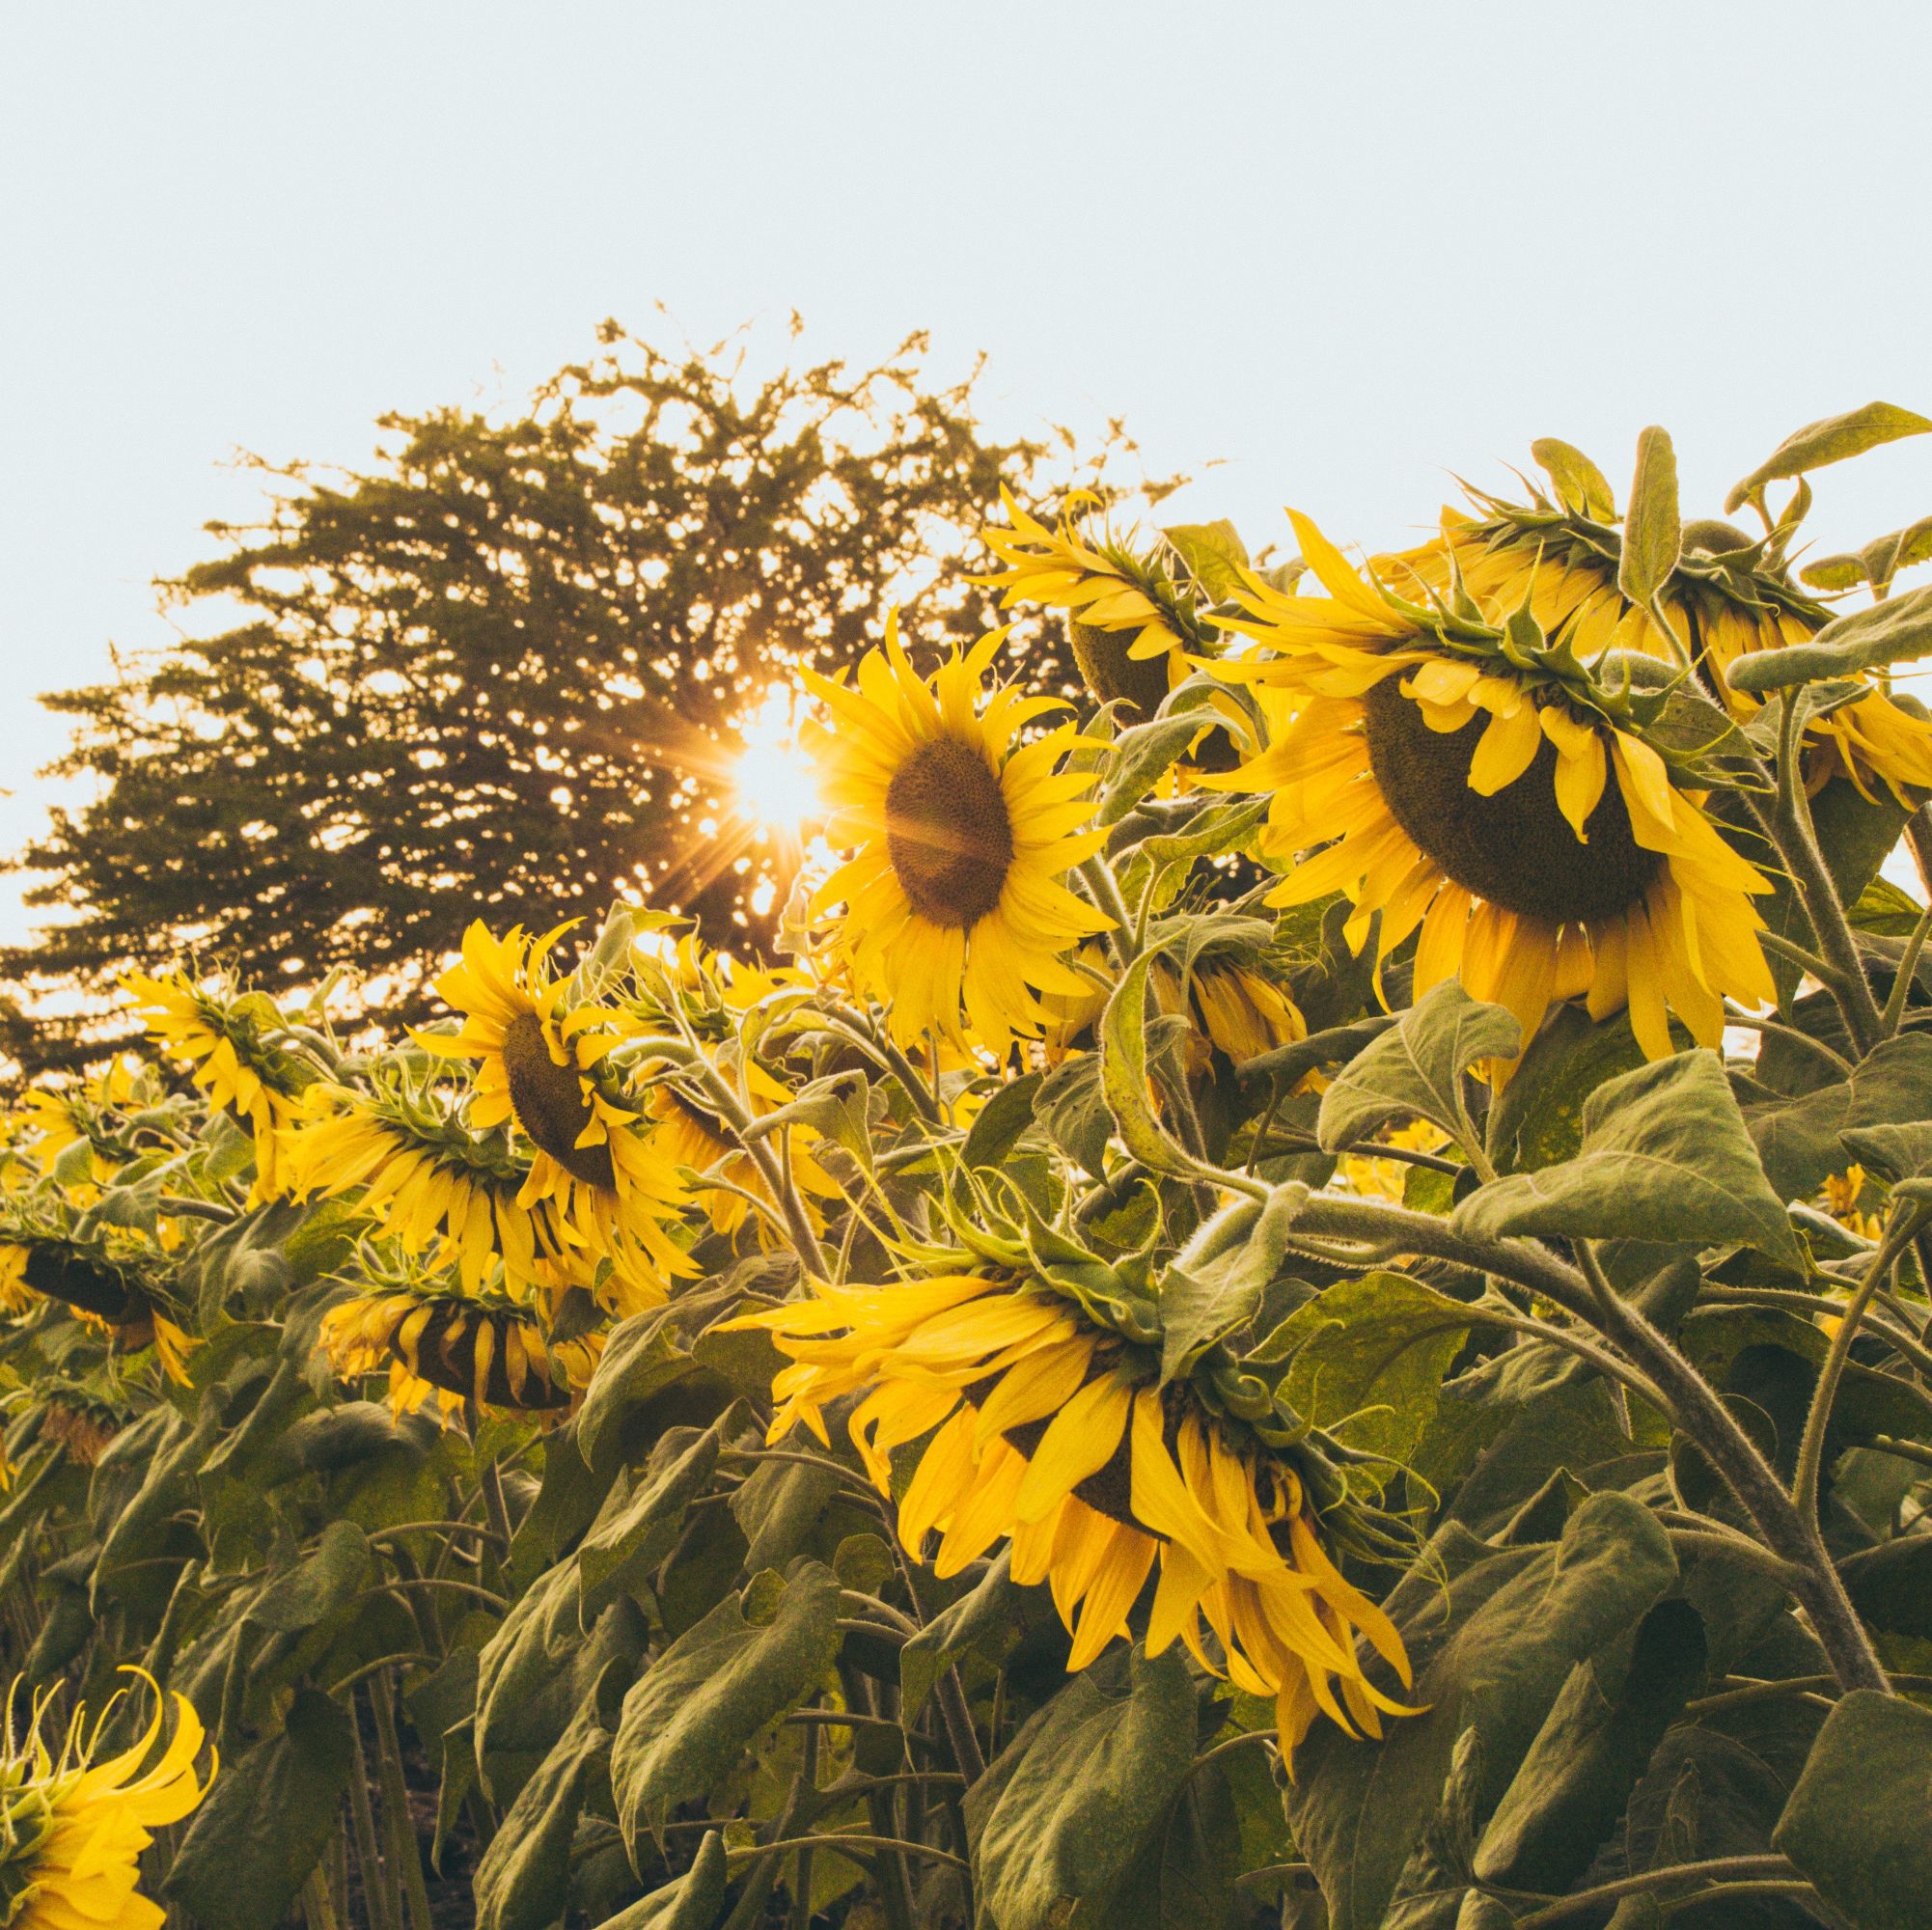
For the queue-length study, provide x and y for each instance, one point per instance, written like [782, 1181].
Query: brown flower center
[948, 833]
[1516, 848]
[549, 1103]
[445, 1355]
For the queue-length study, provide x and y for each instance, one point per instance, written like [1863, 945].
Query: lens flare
[773, 777]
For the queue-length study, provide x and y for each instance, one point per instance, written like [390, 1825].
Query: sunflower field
[1300, 1299]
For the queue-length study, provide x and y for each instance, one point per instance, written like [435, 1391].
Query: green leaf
[1864, 640]
[265, 1822]
[1372, 1353]
[1214, 1287]
[695, 1901]
[1581, 486]
[1884, 909]
[318, 1584]
[1080, 1790]
[1664, 1147]
[524, 1874]
[1072, 1113]
[1123, 1079]
[1138, 760]
[1493, 1641]
[1830, 439]
[1567, 1797]
[1854, 1825]
[985, 1621]
[1214, 554]
[1891, 1585]
[641, 1518]
[778, 1506]
[1417, 1066]
[1653, 532]
[688, 1719]
[1538, 1118]
[638, 1361]
[534, 1671]
[1876, 564]
[1000, 1124]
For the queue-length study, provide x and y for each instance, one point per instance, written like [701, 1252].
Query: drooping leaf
[1203, 1298]
[1538, 1118]
[1664, 1147]
[1081, 1789]
[639, 1520]
[1890, 632]
[318, 1585]
[688, 1718]
[1854, 1825]
[524, 1875]
[984, 1621]
[265, 1822]
[693, 1901]
[1830, 439]
[1415, 1067]
[1492, 1651]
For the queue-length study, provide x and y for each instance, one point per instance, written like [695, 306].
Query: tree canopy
[501, 667]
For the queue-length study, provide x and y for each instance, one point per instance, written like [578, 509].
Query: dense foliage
[1305, 1301]
[506, 669]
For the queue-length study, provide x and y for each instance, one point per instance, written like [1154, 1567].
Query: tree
[501, 670]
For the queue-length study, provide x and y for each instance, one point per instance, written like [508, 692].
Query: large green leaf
[535, 1672]
[1832, 439]
[1372, 1353]
[641, 1518]
[1663, 1146]
[686, 1721]
[987, 1619]
[1215, 1285]
[1653, 532]
[1572, 1786]
[1855, 1824]
[318, 1585]
[1493, 1636]
[1080, 1791]
[1415, 1067]
[1538, 1118]
[778, 1506]
[524, 1875]
[265, 1822]
[1864, 640]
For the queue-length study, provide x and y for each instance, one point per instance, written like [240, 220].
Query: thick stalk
[783, 1189]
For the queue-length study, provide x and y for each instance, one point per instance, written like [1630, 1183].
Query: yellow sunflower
[538, 1050]
[1722, 611]
[453, 1348]
[1541, 850]
[15, 1295]
[428, 1183]
[232, 1061]
[1130, 630]
[953, 904]
[72, 1830]
[1037, 1426]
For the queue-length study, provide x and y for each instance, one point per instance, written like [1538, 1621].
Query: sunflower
[429, 1184]
[15, 1295]
[1492, 802]
[1721, 605]
[72, 1830]
[1033, 1423]
[952, 895]
[455, 1347]
[1130, 625]
[232, 1062]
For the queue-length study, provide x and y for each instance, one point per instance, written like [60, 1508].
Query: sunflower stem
[1893, 1014]
[1790, 829]
[402, 1840]
[1811, 1443]
[797, 1220]
[1104, 889]
[376, 1901]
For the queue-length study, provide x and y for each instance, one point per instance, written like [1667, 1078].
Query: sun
[773, 779]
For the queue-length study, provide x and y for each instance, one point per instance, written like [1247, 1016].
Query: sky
[1326, 253]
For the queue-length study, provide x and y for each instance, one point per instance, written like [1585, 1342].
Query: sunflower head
[456, 1349]
[1728, 597]
[1039, 1408]
[1491, 795]
[72, 1826]
[961, 831]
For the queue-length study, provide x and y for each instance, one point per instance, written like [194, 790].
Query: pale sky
[1343, 248]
